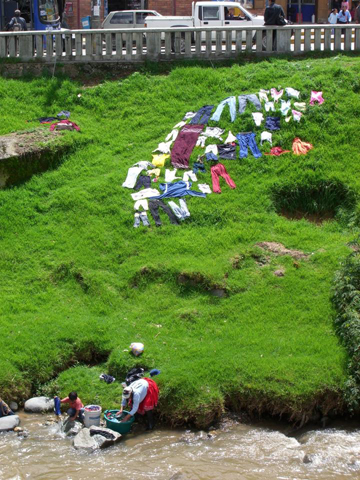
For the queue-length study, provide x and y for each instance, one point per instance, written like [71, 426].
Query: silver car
[128, 19]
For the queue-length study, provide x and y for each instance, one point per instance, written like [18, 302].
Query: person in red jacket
[76, 410]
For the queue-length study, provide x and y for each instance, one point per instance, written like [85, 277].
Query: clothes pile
[60, 122]
[192, 132]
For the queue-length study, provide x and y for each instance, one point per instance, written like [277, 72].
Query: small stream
[264, 450]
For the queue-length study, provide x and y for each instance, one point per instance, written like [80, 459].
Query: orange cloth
[301, 148]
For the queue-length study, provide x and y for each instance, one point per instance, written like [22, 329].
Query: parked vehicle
[209, 14]
[128, 19]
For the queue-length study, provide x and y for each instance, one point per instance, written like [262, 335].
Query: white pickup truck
[209, 14]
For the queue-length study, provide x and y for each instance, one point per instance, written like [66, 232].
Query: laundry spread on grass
[171, 158]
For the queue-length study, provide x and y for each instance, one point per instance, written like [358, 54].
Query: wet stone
[308, 458]
[14, 406]
[84, 441]
[9, 423]
[39, 405]
[74, 430]
[104, 436]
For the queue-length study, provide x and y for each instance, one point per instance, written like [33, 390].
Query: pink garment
[276, 151]
[296, 115]
[316, 97]
[64, 125]
[217, 171]
[76, 404]
[275, 94]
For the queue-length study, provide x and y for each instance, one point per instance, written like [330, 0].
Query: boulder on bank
[84, 441]
[39, 405]
[9, 423]
[104, 436]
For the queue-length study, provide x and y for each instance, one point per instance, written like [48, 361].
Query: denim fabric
[202, 116]
[243, 99]
[227, 151]
[72, 411]
[210, 157]
[57, 405]
[177, 189]
[154, 206]
[272, 123]
[248, 140]
[141, 217]
[231, 101]
[199, 166]
[181, 211]
[142, 181]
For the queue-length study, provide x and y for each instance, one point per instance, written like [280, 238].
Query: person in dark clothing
[274, 15]
[17, 23]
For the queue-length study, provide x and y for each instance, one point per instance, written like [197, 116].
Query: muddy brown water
[236, 451]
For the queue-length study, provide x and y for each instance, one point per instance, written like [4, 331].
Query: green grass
[73, 287]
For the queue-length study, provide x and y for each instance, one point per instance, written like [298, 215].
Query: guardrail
[157, 44]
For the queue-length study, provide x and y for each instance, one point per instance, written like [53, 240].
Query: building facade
[76, 10]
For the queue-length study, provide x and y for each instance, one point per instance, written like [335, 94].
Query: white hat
[126, 393]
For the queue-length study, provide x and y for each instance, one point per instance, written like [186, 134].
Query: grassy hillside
[78, 283]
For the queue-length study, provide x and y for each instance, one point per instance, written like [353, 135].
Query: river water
[264, 450]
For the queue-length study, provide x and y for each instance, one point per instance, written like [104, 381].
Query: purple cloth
[184, 145]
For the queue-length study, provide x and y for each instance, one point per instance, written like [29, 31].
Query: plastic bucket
[114, 423]
[92, 415]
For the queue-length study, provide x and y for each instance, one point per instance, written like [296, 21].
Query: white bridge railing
[156, 44]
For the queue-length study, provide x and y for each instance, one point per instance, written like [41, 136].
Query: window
[140, 17]
[122, 18]
[211, 13]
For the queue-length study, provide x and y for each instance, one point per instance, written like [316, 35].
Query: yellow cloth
[159, 160]
[154, 171]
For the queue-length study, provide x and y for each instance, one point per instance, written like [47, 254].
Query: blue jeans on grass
[248, 140]
[231, 101]
[202, 116]
[243, 99]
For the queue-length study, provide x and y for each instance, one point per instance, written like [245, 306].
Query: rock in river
[104, 436]
[9, 423]
[83, 441]
[39, 405]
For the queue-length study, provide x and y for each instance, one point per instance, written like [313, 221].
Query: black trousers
[154, 206]
[142, 181]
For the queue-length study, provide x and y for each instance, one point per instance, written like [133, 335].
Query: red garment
[219, 170]
[151, 399]
[301, 148]
[66, 124]
[184, 144]
[277, 151]
[76, 404]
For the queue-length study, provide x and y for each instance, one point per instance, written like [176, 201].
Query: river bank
[229, 322]
[235, 450]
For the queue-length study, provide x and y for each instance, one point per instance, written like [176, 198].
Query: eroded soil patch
[25, 153]
[280, 249]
